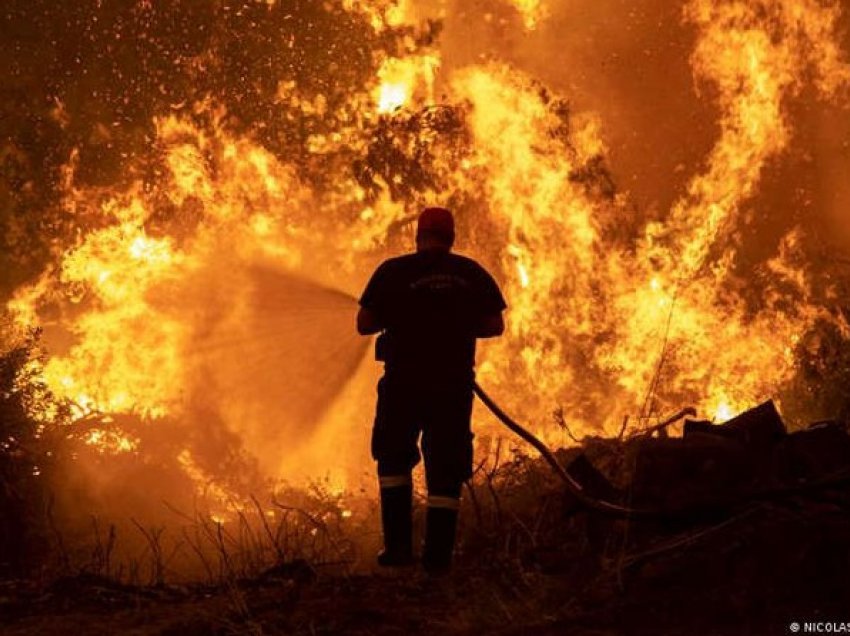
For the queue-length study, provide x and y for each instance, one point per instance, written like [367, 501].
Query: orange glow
[532, 11]
[611, 312]
[404, 79]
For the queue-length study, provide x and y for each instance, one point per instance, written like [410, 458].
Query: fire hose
[573, 486]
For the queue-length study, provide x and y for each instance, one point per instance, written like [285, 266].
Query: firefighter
[429, 307]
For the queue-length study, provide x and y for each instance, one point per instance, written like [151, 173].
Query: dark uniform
[431, 304]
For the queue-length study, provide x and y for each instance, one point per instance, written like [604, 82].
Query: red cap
[437, 220]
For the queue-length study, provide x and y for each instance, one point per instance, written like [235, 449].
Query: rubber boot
[396, 518]
[440, 529]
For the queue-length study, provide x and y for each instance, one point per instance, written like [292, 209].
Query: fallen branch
[688, 410]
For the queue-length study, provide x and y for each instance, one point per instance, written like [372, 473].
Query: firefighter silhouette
[429, 308]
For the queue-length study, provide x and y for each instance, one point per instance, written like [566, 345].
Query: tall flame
[610, 314]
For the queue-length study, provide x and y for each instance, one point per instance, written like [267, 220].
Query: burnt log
[760, 427]
[696, 428]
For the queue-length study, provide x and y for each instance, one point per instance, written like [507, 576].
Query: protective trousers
[439, 413]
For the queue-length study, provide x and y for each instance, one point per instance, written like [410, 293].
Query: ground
[532, 561]
[750, 575]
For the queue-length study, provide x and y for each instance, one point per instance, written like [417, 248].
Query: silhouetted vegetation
[27, 457]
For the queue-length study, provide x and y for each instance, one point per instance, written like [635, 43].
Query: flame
[382, 14]
[610, 312]
[723, 412]
[110, 442]
[755, 54]
[127, 362]
[531, 11]
[402, 79]
[549, 222]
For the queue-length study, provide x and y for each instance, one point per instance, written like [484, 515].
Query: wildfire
[159, 304]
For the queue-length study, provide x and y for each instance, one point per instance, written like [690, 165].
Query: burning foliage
[192, 192]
